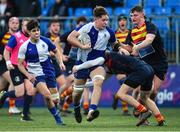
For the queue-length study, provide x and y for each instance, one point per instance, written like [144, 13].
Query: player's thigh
[98, 71]
[43, 89]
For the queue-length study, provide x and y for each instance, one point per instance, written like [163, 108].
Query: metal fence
[169, 28]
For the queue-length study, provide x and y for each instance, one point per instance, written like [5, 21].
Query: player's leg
[77, 93]
[42, 88]
[150, 104]
[86, 100]
[12, 107]
[97, 76]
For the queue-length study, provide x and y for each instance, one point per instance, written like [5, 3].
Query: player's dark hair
[137, 8]
[99, 11]
[32, 24]
[81, 19]
[53, 21]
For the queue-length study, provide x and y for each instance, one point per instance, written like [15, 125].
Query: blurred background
[165, 14]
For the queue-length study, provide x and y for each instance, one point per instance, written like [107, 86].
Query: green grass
[109, 120]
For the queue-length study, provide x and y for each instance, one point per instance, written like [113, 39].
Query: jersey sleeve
[128, 39]
[151, 28]
[112, 35]
[22, 52]
[51, 46]
[11, 43]
[84, 28]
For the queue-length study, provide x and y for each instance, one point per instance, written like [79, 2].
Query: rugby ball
[84, 38]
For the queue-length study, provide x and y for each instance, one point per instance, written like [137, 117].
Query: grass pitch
[109, 120]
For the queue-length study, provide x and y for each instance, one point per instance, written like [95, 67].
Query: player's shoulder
[45, 39]
[150, 24]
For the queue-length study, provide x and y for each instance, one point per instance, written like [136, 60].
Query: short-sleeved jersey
[99, 40]
[155, 51]
[121, 36]
[14, 44]
[37, 56]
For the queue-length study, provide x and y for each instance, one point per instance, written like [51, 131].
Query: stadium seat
[83, 12]
[148, 11]
[152, 3]
[163, 11]
[46, 5]
[177, 11]
[70, 11]
[110, 10]
[163, 24]
[131, 3]
[119, 10]
[172, 3]
[175, 21]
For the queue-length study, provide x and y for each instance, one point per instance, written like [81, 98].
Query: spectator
[58, 9]
[29, 8]
[6, 11]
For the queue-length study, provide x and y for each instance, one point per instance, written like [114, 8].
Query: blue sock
[27, 102]
[93, 107]
[56, 115]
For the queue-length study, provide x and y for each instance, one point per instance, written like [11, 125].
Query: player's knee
[55, 96]
[47, 96]
[98, 80]
[78, 88]
[121, 96]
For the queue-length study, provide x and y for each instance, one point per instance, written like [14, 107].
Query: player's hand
[85, 46]
[65, 58]
[9, 65]
[123, 51]
[31, 78]
[51, 54]
[74, 69]
[62, 66]
[134, 53]
[135, 48]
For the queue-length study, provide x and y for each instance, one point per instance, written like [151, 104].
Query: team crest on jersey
[17, 79]
[43, 45]
[105, 35]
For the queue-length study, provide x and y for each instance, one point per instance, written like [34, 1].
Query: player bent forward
[139, 74]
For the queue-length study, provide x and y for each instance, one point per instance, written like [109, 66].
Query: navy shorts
[57, 68]
[69, 65]
[49, 80]
[85, 73]
[160, 68]
[138, 72]
[141, 77]
[16, 76]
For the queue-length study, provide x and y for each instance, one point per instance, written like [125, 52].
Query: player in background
[39, 69]
[121, 34]
[54, 34]
[5, 80]
[21, 84]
